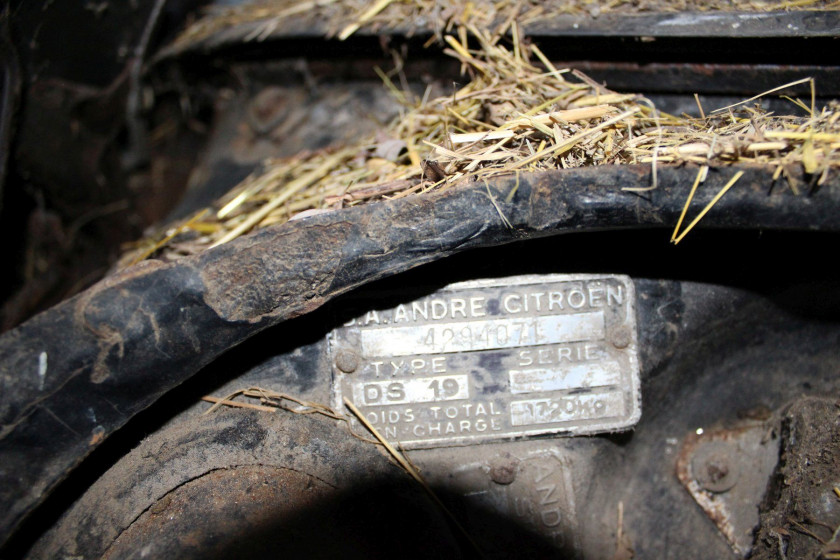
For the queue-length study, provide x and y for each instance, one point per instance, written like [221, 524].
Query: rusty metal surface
[727, 472]
[136, 335]
[515, 498]
[750, 358]
[734, 355]
[259, 485]
[225, 512]
[73, 376]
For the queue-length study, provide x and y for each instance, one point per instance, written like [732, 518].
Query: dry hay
[518, 113]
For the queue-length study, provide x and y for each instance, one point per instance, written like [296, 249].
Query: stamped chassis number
[495, 359]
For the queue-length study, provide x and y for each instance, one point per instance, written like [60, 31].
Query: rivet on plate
[347, 361]
[620, 337]
[504, 473]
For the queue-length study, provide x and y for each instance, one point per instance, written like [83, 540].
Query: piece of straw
[183, 227]
[768, 92]
[365, 17]
[237, 404]
[516, 112]
[568, 144]
[708, 207]
[700, 107]
[409, 468]
[701, 176]
[291, 189]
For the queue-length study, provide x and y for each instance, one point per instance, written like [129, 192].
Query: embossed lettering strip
[495, 359]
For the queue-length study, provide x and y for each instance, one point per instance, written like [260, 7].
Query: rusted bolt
[504, 472]
[347, 361]
[620, 337]
[714, 468]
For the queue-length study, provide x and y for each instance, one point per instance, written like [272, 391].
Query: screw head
[347, 361]
[714, 467]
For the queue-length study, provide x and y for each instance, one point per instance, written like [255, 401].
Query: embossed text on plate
[491, 360]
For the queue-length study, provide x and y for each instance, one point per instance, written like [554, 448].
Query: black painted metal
[781, 24]
[74, 374]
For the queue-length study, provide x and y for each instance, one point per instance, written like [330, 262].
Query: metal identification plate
[490, 360]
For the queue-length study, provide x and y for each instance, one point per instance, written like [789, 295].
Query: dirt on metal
[800, 516]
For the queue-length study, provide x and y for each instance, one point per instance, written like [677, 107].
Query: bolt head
[715, 467]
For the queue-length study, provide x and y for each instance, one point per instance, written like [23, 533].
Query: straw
[709, 206]
[412, 471]
[515, 112]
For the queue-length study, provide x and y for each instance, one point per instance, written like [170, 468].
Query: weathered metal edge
[777, 24]
[74, 374]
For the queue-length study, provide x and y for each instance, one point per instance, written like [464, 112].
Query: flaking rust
[726, 471]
